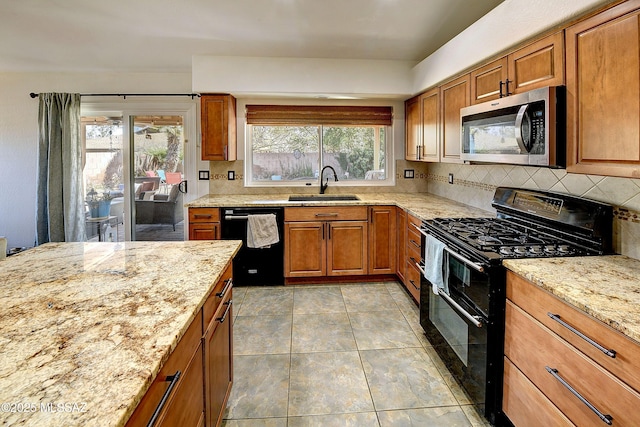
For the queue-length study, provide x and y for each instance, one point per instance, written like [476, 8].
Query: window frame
[329, 116]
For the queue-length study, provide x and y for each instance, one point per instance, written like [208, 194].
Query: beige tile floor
[338, 355]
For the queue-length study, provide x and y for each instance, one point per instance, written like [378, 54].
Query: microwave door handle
[520, 118]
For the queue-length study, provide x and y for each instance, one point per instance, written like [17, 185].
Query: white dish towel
[262, 231]
[434, 258]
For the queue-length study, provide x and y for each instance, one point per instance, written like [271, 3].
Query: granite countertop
[87, 326]
[422, 205]
[606, 287]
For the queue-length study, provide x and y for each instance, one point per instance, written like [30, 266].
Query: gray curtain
[60, 215]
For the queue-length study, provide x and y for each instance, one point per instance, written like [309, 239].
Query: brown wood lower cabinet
[204, 224]
[541, 365]
[382, 240]
[325, 241]
[218, 368]
[203, 357]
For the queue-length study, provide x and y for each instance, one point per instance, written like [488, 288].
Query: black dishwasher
[254, 266]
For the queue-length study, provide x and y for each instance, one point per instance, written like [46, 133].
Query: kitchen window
[289, 145]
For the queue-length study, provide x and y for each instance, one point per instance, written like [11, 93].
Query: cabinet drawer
[326, 213]
[204, 215]
[216, 296]
[179, 360]
[538, 303]
[525, 405]
[412, 282]
[535, 349]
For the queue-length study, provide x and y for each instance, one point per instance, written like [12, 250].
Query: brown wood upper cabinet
[412, 128]
[218, 123]
[603, 93]
[454, 95]
[536, 65]
[422, 127]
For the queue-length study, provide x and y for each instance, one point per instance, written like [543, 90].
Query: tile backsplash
[219, 184]
[475, 184]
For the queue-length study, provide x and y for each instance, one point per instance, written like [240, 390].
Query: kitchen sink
[322, 197]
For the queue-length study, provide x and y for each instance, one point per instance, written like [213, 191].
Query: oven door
[457, 327]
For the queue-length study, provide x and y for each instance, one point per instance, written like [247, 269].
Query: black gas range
[462, 306]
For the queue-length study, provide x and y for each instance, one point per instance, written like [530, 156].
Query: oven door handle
[468, 262]
[473, 319]
[471, 264]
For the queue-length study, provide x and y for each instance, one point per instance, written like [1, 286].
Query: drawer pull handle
[202, 216]
[414, 243]
[414, 285]
[173, 381]
[611, 353]
[228, 284]
[318, 215]
[604, 417]
[224, 316]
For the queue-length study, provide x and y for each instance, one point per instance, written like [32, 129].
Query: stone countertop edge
[89, 325]
[422, 205]
[605, 287]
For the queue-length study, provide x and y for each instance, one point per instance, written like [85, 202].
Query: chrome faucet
[326, 184]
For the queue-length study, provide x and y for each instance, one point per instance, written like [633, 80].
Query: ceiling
[162, 35]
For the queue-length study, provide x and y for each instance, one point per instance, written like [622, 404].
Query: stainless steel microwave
[524, 129]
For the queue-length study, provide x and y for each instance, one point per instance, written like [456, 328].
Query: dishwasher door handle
[236, 217]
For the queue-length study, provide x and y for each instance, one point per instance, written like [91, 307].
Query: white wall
[312, 77]
[19, 133]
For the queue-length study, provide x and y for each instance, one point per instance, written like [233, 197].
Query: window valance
[300, 115]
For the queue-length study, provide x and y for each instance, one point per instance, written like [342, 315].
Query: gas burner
[550, 249]
[520, 250]
[565, 249]
[505, 250]
[536, 250]
[485, 240]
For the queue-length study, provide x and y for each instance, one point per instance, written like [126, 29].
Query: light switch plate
[231, 175]
[408, 173]
[450, 178]
[203, 175]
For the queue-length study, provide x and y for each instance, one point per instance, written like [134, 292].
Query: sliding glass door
[158, 177]
[138, 160]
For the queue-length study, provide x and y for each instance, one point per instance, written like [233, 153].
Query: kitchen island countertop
[87, 326]
[605, 287]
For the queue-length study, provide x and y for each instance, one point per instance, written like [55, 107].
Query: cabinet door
[204, 231]
[489, 81]
[603, 93]
[454, 96]
[538, 65]
[218, 365]
[413, 128]
[218, 123]
[305, 250]
[401, 261]
[347, 248]
[186, 408]
[382, 240]
[430, 114]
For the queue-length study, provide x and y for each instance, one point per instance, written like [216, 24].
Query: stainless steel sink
[322, 197]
